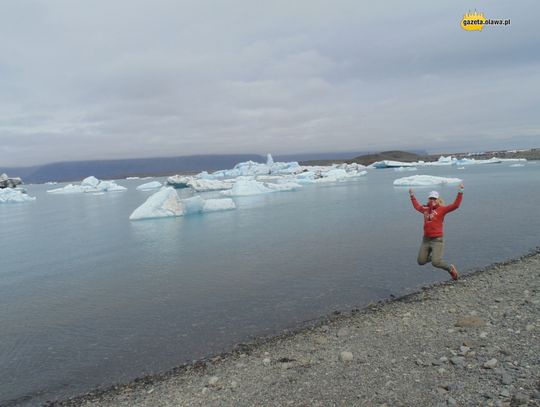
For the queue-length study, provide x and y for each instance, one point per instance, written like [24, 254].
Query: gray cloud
[137, 78]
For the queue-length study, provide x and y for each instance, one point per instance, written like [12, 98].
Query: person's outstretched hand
[461, 186]
[411, 192]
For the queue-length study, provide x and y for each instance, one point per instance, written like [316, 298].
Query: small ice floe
[89, 184]
[401, 169]
[425, 180]
[10, 195]
[517, 165]
[166, 203]
[149, 186]
[460, 168]
[132, 178]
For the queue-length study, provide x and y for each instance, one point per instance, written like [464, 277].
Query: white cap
[433, 194]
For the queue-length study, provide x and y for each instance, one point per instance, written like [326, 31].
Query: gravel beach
[474, 342]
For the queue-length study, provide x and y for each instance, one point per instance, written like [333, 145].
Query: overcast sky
[130, 78]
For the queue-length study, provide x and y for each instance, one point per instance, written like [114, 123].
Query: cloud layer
[164, 78]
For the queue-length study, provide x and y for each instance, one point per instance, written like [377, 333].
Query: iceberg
[198, 205]
[166, 203]
[391, 164]
[517, 165]
[246, 186]
[149, 185]
[178, 181]
[201, 185]
[89, 184]
[441, 161]
[473, 161]
[162, 204]
[9, 182]
[252, 168]
[9, 195]
[400, 169]
[425, 180]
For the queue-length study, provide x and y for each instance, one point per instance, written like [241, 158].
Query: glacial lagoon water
[88, 298]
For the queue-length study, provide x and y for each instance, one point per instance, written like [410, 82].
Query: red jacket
[434, 217]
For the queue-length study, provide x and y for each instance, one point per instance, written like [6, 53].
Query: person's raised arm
[453, 206]
[414, 201]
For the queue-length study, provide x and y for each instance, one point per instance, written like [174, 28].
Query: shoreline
[205, 384]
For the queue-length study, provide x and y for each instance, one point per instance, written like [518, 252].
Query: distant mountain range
[160, 166]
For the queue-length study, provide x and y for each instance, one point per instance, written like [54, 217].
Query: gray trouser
[432, 247]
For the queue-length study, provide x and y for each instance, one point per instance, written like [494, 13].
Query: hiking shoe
[453, 272]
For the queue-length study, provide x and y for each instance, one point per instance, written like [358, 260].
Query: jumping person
[432, 247]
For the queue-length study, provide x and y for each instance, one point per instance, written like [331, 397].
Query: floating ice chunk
[72, 189]
[201, 185]
[246, 187]
[400, 169]
[473, 161]
[425, 180]
[443, 161]
[90, 182]
[132, 178]
[110, 186]
[517, 165]
[162, 204]
[391, 164]
[198, 205]
[252, 168]
[149, 185]
[9, 195]
[306, 177]
[166, 203]
[179, 181]
[204, 175]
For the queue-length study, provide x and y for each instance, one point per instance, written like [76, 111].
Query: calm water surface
[88, 298]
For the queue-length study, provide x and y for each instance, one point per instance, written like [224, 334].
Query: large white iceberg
[425, 180]
[166, 203]
[89, 184]
[10, 195]
[149, 185]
